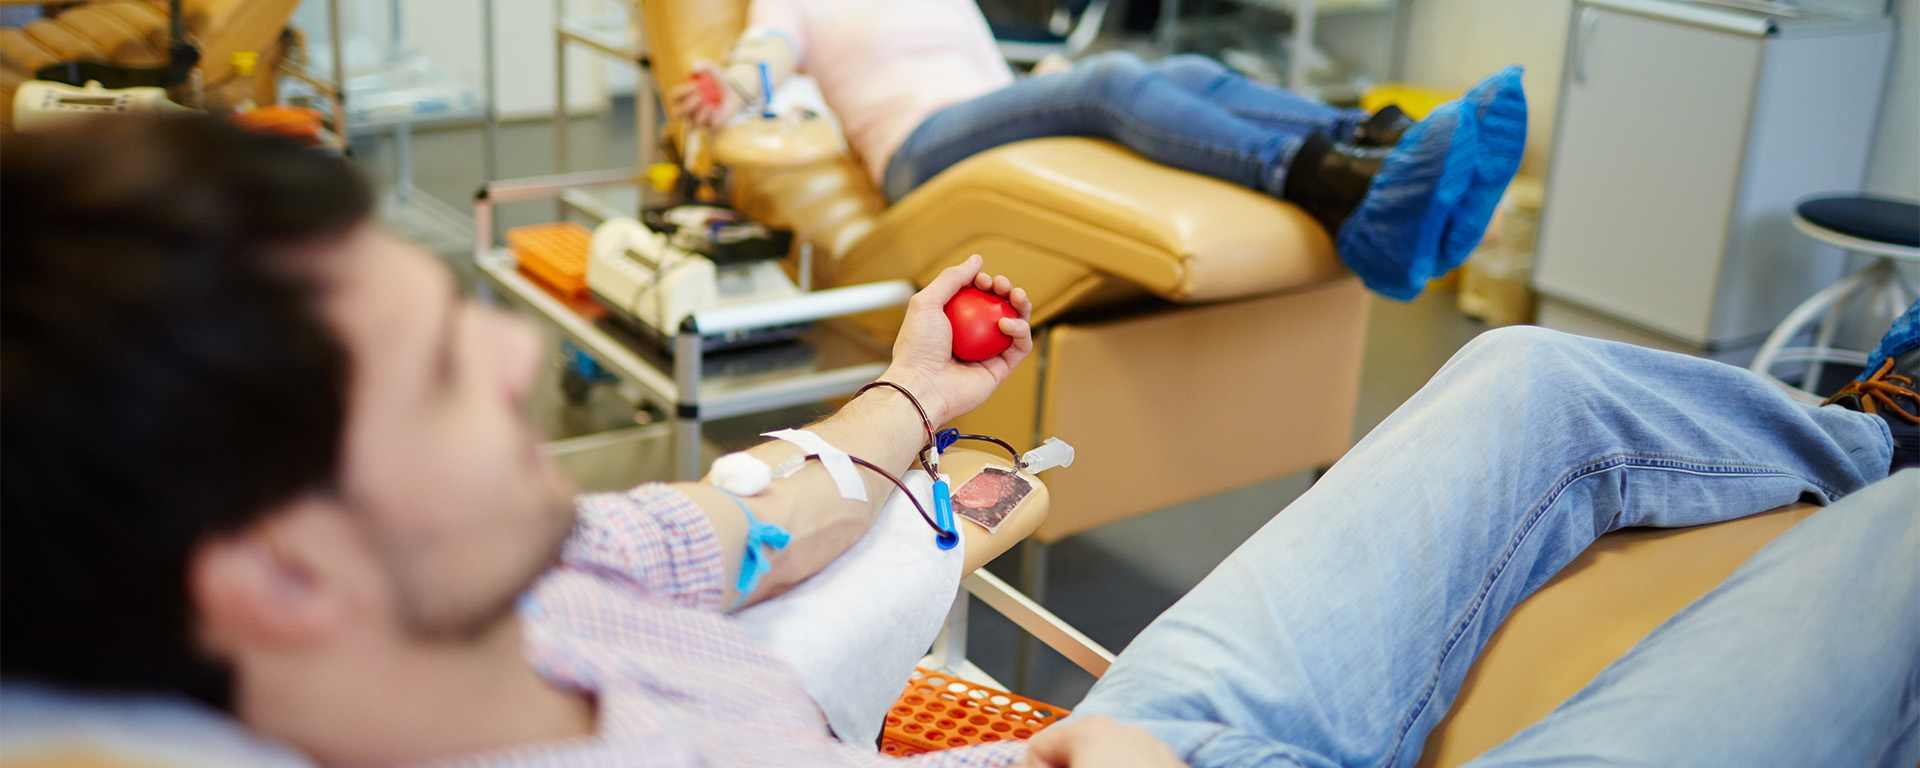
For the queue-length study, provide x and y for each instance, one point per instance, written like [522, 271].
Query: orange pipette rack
[554, 255]
[938, 711]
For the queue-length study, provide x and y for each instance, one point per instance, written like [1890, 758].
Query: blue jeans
[1188, 112]
[1339, 634]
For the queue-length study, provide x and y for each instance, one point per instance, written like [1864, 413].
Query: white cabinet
[1685, 134]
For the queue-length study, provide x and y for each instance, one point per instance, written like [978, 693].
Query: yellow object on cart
[554, 255]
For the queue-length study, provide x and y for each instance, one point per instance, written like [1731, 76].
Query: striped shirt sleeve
[652, 538]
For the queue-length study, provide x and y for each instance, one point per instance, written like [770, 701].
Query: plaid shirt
[633, 614]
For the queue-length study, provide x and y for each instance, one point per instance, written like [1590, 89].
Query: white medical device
[42, 103]
[1048, 455]
[648, 280]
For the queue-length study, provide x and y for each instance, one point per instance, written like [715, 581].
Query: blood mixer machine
[655, 272]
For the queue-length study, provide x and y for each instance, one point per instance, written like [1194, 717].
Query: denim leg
[1111, 96]
[1340, 632]
[1809, 654]
[1255, 102]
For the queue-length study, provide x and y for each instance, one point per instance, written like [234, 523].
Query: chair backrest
[681, 32]
[135, 34]
[831, 204]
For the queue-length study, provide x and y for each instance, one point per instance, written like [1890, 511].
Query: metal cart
[690, 386]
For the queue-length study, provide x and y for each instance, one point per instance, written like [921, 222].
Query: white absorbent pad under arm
[855, 630]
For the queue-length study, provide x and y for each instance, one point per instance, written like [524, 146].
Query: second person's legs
[1257, 102]
[1398, 217]
[1114, 96]
[1340, 633]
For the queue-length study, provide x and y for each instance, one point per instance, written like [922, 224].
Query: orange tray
[554, 255]
[938, 711]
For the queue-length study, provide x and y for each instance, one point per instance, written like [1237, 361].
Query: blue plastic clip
[948, 538]
[945, 439]
[766, 92]
[754, 562]
[583, 364]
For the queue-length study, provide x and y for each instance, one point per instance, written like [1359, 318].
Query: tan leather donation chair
[1559, 639]
[1193, 336]
[134, 33]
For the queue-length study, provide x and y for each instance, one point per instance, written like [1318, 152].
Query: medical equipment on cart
[42, 103]
[81, 87]
[706, 258]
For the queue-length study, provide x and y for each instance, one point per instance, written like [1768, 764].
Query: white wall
[448, 32]
[1895, 168]
[1453, 43]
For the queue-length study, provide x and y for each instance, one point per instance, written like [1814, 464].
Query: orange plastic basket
[554, 255]
[938, 711]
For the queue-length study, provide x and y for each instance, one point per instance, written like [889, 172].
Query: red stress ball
[708, 87]
[975, 315]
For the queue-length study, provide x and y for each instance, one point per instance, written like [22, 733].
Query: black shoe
[1890, 394]
[1384, 128]
[1329, 180]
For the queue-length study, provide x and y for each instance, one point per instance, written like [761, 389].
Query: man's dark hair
[166, 376]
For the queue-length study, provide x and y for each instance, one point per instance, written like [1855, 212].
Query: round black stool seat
[1879, 219]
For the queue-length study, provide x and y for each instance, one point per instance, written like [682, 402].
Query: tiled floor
[1109, 583]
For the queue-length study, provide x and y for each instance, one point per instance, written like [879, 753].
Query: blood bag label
[990, 496]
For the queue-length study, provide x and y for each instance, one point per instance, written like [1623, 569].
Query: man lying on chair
[261, 454]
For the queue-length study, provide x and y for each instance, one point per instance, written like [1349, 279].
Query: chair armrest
[982, 547]
[1059, 213]
[136, 34]
[224, 27]
[758, 144]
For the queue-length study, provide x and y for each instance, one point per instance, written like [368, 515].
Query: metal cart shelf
[690, 386]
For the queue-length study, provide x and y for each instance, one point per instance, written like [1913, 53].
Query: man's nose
[523, 348]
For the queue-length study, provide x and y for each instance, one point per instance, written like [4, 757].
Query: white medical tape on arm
[839, 467]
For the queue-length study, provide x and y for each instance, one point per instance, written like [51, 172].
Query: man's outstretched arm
[880, 425]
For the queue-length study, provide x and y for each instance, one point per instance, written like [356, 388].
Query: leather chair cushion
[1178, 235]
[133, 33]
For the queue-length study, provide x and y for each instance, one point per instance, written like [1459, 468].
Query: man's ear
[282, 583]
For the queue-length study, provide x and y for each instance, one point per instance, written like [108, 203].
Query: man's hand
[923, 359]
[689, 104]
[1098, 741]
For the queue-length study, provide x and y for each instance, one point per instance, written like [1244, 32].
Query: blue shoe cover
[1499, 107]
[1393, 240]
[1901, 339]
